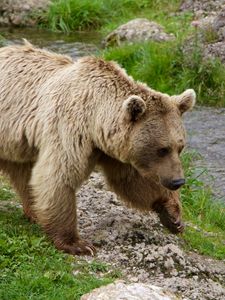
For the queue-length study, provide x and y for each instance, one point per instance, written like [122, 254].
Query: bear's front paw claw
[83, 248]
[91, 250]
[79, 247]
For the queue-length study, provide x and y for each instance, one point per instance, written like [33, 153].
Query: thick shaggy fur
[59, 118]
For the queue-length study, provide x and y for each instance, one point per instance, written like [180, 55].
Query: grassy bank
[167, 68]
[69, 15]
[163, 66]
[205, 231]
[30, 266]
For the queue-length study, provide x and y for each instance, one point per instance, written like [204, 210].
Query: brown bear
[59, 118]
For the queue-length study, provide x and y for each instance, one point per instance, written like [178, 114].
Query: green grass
[163, 66]
[69, 15]
[167, 68]
[205, 217]
[74, 15]
[6, 193]
[31, 268]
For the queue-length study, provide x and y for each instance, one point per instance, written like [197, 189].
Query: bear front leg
[55, 209]
[143, 193]
[169, 211]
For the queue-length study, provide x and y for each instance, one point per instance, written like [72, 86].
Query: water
[75, 44]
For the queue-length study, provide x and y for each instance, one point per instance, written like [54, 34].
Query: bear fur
[59, 118]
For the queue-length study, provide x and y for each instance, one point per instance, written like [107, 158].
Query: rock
[169, 263]
[215, 50]
[202, 8]
[123, 291]
[137, 30]
[212, 27]
[218, 24]
[210, 36]
[21, 12]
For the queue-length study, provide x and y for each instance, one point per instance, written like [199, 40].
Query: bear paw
[79, 247]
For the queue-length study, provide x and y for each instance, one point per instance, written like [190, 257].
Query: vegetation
[31, 268]
[167, 68]
[68, 15]
[205, 217]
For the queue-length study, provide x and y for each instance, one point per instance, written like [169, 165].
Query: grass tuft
[69, 15]
[75, 15]
[167, 68]
[205, 216]
[6, 193]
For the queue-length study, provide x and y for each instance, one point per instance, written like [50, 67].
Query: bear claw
[78, 248]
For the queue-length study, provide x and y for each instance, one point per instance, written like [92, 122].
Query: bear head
[158, 136]
[148, 133]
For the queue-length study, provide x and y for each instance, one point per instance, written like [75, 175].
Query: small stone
[26, 7]
[169, 263]
[174, 272]
[134, 279]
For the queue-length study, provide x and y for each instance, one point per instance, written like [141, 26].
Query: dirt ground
[140, 246]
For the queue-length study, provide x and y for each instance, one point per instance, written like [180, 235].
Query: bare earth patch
[139, 245]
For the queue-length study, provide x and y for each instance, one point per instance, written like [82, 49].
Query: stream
[75, 44]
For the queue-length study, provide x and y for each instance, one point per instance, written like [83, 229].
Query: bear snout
[173, 184]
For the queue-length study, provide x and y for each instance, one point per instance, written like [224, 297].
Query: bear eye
[163, 151]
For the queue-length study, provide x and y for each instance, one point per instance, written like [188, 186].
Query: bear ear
[186, 100]
[134, 107]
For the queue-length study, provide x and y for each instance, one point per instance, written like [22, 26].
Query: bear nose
[175, 184]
